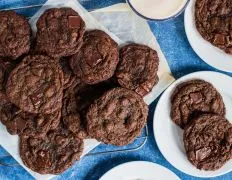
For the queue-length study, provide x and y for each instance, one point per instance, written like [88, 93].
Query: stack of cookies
[198, 108]
[68, 85]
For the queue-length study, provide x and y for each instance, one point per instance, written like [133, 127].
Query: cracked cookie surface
[36, 85]
[117, 117]
[208, 142]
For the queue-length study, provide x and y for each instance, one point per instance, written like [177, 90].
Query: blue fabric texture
[182, 60]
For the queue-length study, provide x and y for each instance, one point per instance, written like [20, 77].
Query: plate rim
[154, 124]
[135, 162]
[186, 27]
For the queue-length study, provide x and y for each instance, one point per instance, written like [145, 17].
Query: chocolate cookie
[76, 102]
[208, 142]
[97, 59]
[27, 124]
[52, 154]
[15, 35]
[60, 32]
[213, 21]
[36, 85]
[117, 117]
[193, 98]
[137, 69]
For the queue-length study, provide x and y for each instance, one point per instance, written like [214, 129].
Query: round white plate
[139, 170]
[169, 136]
[204, 49]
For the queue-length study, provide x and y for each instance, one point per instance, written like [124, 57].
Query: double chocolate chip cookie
[137, 69]
[97, 59]
[192, 98]
[117, 117]
[214, 22]
[60, 32]
[15, 35]
[76, 102]
[36, 85]
[208, 142]
[52, 154]
[26, 124]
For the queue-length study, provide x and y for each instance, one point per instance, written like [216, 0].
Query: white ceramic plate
[169, 136]
[139, 170]
[204, 49]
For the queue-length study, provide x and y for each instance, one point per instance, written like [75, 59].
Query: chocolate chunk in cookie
[52, 154]
[208, 142]
[36, 85]
[15, 35]
[137, 69]
[213, 21]
[117, 117]
[193, 98]
[27, 124]
[60, 32]
[97, 59]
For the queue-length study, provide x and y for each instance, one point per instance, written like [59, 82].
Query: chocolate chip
[74, 21]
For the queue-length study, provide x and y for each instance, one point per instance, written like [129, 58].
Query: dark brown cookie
[76, 102]
[52, 154]
[36, 85]
[117, 117]
[15, 35]
[137, 69]
[70, 79]
[97, 59]
[213, 21]
[60, 32]
[27, 124]
[193, 98]
[208, 142]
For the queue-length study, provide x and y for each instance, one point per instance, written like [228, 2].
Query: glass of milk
[157, 10]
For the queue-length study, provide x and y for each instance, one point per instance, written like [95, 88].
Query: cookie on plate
[192, 98]
[213, 21]
[27, 124]
[208, 142]
[97, 59]
[52, 154]
[137, 69]
[117, 117]
[15, 35]
[60, 32]
[36, 85]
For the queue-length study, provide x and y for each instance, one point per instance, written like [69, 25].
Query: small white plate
[204, 49]
[139, 170]
[169, 136]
